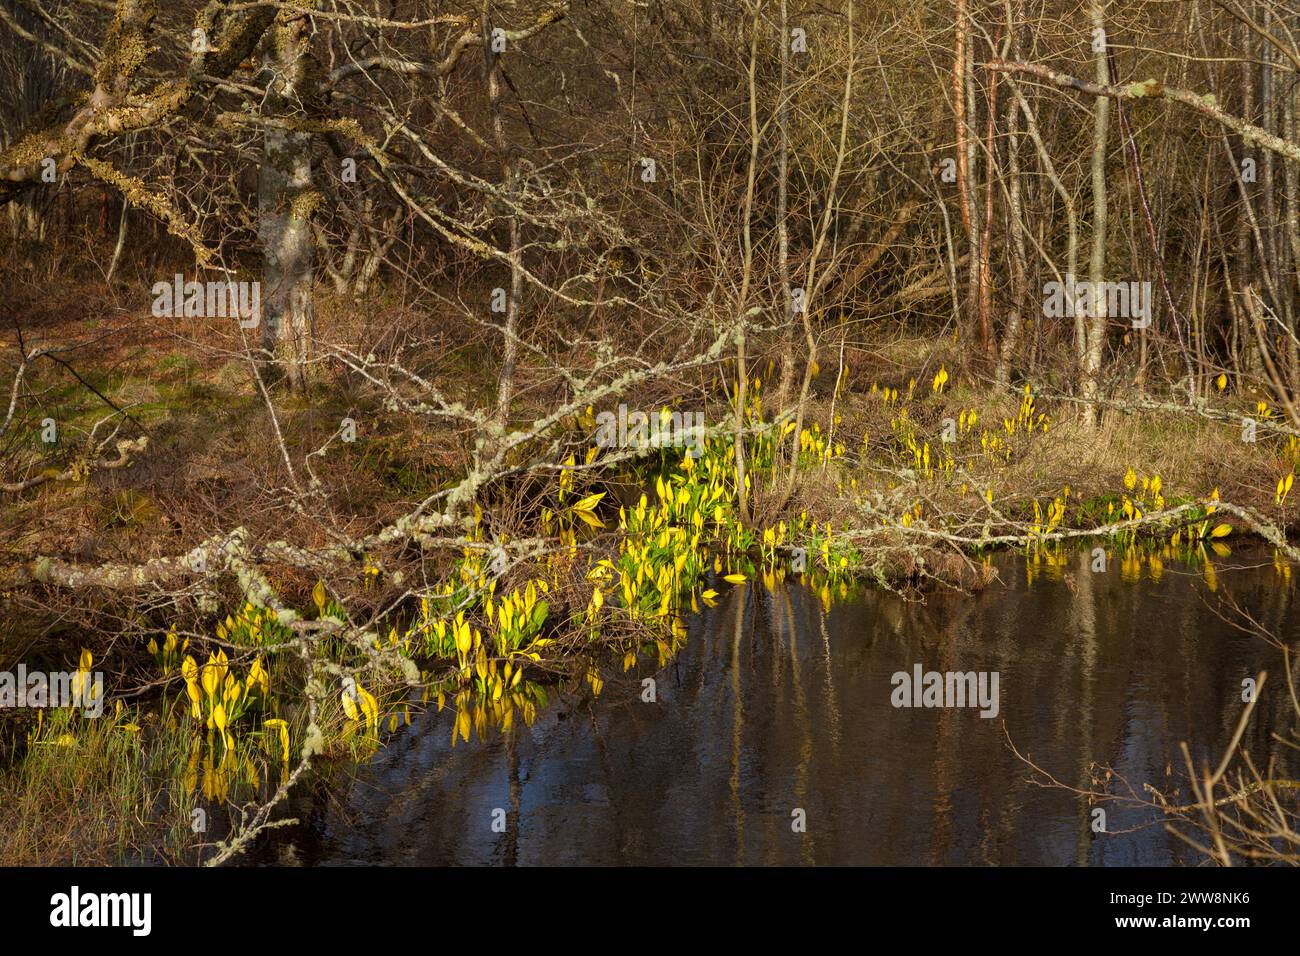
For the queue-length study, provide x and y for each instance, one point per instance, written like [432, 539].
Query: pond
[773, 737]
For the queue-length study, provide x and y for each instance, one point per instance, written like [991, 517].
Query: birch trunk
[1097, 258]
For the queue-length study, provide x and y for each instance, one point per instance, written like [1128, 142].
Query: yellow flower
[257, 677]
[275, 723]
[1130, 479]
[1284, 487]
[349, 704]
[210, 678]
[463, 639]
[81, 679]
[369, 706]
[190, 670]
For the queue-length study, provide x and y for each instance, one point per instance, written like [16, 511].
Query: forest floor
[214, 459]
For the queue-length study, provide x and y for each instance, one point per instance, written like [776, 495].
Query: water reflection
[775, 705]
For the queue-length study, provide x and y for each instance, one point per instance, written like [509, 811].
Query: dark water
[776, 705]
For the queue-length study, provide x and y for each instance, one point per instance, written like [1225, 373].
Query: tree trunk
[1016, 223]
[1097, 258]
[782, 225]
[510, 180]
[286, 201]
